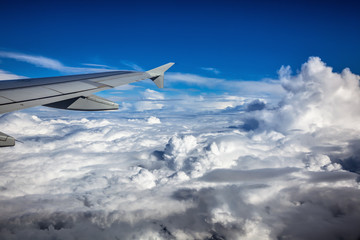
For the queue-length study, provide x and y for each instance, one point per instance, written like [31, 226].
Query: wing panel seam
[35, 99]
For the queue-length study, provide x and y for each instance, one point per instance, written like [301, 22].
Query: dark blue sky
[246, 40]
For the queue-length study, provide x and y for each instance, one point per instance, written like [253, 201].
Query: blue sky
[242, 40]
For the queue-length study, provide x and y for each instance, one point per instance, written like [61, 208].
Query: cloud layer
[245, 171]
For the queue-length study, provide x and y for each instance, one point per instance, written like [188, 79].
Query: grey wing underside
[69, 92]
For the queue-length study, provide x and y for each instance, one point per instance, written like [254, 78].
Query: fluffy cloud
[153, 120]
[244, 171]
[319, 98]
[149, 101]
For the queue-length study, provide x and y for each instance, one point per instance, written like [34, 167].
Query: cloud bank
[246, 171]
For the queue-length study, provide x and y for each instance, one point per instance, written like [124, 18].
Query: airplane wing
[73, 92]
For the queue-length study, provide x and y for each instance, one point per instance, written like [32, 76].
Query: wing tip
[157, 74]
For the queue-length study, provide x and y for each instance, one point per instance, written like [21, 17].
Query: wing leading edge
[73, 92]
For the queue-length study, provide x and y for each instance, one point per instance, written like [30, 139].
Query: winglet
[157, 74]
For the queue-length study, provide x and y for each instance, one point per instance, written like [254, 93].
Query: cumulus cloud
[319, 98]
[152, 95]
[149, 101]
[153, 120]
[246, 171]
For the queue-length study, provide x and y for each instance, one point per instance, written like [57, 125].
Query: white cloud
[267, 88]
[48, 63]
[132, 65]
[318, 98]
[150, 101]
[96, 65]
[152, 95]
[210, 69]
[153, 120]
[193, 79]
[253, 172]
[146, 106]
[4, 75]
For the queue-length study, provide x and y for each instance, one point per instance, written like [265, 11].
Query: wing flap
[89, 103]
[9, 107]
[22, 94]
[4, 100]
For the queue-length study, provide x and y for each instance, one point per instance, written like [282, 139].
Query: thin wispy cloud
[48, 63]
[266, 88]
[210, 69]
[96, 65]
[193, 79]
[132, 65]
[4, 75]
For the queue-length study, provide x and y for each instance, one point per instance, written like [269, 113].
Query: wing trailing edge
[89, 103]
